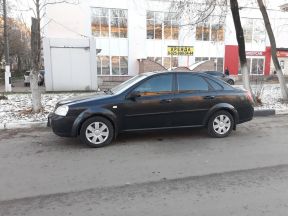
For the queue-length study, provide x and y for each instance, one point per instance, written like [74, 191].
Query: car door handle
[166, 101]
[209, 97]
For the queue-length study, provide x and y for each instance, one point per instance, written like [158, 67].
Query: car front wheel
[97, 132]
[220, 124]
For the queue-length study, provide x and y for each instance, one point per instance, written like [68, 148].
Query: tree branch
[58, 2]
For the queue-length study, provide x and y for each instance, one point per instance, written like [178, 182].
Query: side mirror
[133, 95]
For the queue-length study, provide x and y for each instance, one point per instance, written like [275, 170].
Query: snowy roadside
[16, 108]
[271, 98]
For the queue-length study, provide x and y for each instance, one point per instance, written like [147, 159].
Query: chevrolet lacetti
[152, 101]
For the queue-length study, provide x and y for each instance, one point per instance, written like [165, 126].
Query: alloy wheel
[221, 124]
[97, 133]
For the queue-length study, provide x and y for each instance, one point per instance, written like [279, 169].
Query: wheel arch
[222, 107]
[87, 115]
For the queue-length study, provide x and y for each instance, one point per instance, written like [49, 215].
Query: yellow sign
[180, 50]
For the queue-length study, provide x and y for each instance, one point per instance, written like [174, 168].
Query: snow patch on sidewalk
[271, 98]
[16, 108]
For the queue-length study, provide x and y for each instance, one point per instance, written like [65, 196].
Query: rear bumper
[248, 116]
[61, 125]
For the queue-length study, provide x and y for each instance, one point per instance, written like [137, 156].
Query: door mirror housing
[133, 95]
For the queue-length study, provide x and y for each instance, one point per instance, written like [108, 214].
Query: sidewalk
[18, 86]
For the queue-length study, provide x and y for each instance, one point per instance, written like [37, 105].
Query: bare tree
[241, 44]
[283, 86]
[19, 36]
[192, 12]
[39, 12]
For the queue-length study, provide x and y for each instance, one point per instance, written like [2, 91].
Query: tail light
[249, 96]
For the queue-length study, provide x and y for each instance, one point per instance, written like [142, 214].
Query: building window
[158, 19]
[124, 65]
[161, 26]
[115, 65]
[210, 30]
[119, 65]
[218, 62]
[109, 22]
[255, 65]
[254, 30]
[167, 62]
[100, 22]
[103, 65]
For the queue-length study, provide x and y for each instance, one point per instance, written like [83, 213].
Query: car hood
[83, 98]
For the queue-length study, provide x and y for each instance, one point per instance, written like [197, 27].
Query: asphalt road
[165, 173]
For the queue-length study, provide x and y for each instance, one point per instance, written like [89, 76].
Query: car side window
[190, 82]
[161, 84]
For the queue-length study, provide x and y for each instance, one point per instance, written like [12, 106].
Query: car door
[153, 107]
[193, 98]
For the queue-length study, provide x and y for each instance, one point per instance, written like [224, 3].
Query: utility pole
[6, 51]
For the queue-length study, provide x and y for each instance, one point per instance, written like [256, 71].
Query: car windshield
[127, 84]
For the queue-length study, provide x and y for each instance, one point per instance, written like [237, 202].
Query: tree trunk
[36, 94]
[283, 86]
[36, 58]
[19, 63]
[241, 44]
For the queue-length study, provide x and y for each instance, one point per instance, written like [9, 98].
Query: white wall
[74, 21]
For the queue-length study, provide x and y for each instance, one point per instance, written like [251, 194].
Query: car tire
[230, 82]
[97, 132]
[220, 124]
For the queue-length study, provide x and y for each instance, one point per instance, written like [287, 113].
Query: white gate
[70, 64]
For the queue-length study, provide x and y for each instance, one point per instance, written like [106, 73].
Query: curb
[42, 124]
[19, 125]
[270, 112]
[266, 112]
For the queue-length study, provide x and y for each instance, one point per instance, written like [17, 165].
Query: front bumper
[61, 125]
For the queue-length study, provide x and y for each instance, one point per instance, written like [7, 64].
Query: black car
[153, 101]
[222, 76]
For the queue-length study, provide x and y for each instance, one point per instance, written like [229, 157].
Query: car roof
[164, 72]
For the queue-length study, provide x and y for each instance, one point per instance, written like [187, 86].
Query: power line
[67, 28]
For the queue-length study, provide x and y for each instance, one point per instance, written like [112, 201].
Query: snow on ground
[16, 108]
[271, 98]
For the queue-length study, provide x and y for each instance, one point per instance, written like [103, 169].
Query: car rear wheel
[220, 124]
[97, 132]
[230, 82]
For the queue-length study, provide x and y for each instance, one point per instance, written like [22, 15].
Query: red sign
[255, 53]
[282, 53]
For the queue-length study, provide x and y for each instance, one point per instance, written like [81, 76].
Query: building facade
[128, 31]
